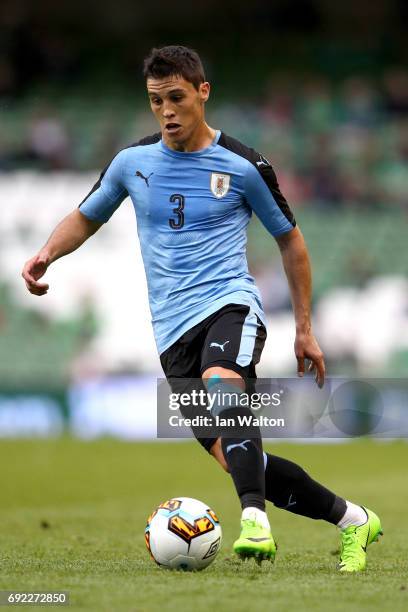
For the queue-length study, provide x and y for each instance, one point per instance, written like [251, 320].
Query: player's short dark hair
[174, 60]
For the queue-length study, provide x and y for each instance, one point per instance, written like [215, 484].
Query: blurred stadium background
[320, 88]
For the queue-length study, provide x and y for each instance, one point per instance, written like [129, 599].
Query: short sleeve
[107, 194]
[265, 198]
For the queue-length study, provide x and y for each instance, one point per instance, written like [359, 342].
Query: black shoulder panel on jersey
[147, 140]
[264, 168]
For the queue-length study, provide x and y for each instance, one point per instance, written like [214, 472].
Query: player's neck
[201, 138]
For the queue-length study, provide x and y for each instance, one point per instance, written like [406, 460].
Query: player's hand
[33, 270]
[306, 347]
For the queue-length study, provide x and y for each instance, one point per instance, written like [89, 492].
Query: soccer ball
[183, 533]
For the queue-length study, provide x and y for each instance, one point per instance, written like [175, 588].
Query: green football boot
[354, 542]
[255, 541]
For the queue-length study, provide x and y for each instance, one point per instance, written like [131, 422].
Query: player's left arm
[296, 263]
[265, 198]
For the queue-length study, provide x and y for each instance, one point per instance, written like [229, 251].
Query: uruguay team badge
[220, 184]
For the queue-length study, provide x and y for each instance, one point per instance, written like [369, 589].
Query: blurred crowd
[332, 144]
[70, 74]
[342, 143]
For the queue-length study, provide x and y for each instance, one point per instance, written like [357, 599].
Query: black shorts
[232, 337]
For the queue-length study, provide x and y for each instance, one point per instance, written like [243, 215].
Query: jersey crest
[220, 184]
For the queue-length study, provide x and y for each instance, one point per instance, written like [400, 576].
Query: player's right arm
[69, 234]
[98, 206]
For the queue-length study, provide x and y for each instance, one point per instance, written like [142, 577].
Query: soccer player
[194, 189]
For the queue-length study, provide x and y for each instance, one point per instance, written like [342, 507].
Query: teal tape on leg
[213, 380]
[222, 391]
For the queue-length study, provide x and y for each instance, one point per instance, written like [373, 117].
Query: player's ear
[204, 91]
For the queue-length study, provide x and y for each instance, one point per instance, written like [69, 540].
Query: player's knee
[217, 374]
[221, 388]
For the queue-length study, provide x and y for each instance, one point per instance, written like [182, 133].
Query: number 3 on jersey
[179, 222]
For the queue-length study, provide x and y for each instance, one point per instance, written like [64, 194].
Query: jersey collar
[190, 154]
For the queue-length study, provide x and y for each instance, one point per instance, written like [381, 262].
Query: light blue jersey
[192, 212]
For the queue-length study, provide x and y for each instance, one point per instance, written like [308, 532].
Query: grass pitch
[73, 515]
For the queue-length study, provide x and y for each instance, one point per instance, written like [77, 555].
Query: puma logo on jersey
[221, 346]
[240, 445]
[145, 178]
[263, 161]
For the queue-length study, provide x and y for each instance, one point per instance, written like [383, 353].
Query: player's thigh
[234, 341]
[232, 347]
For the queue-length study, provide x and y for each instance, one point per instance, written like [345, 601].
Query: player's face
[178, 107]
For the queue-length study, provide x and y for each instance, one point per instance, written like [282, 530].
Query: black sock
[241, 444]
[289, 487]
[244, 458]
